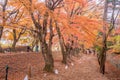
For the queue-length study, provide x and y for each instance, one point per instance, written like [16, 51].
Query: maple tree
[42, 26]
[17, 32]
[74, 24]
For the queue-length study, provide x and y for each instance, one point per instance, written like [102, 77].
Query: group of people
[90, 51]
[36, 48]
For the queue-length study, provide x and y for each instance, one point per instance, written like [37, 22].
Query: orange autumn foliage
[84, 28]
[67, 16]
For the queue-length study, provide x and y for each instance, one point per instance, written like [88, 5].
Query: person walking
[36, 48]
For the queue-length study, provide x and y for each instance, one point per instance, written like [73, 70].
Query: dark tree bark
[1, 32]
[15, 40]
[61, 42]
[102, 57]
[49, 64]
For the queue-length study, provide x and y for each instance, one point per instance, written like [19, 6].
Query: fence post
[29, 72]
[6, 75]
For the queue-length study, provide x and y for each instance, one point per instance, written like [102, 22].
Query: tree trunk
[102, 56]
[64, 56]
[63, 50]
[49, 63]
[15, 40]
[13, 45]
[48, 58]
[1, 32]
[47, 48]
[102, 62]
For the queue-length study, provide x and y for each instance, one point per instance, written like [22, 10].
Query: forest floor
[83, 67]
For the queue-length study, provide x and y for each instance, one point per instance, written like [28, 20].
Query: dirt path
[82, 68]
